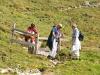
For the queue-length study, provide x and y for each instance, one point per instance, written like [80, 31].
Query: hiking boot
[50, 57]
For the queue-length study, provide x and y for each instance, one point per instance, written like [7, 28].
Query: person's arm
[60, 34]
[53, 32]
[76, 34]
[28, 29]
[36, 31]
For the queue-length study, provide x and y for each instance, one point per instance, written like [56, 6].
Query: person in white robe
[76, 44]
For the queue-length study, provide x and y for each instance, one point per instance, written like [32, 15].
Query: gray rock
[6, 70]
[87, 3]
[28, 72]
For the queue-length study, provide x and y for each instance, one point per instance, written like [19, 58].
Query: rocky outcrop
[20, 72]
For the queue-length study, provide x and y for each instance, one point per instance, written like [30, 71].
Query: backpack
[50, 41]
[81, 36]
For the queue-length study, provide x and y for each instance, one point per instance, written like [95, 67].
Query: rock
[98, 5]
[48, 73]
[11, 70]
[69, 8]
[42, 52]
[2, 71]
[75, 7]
[28, 72]
[87, 3]
[25, 48]
[36, 74]
[80, 6]
[55, 62]
[6, 70]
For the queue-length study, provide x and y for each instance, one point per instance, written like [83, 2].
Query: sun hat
[60, 25]
[74, 25]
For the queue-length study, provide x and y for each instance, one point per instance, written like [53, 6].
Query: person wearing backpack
[76, 44]
[50, 40]
[53, 40]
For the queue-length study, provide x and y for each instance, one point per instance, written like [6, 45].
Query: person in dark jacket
[53, 40]
[50, 40]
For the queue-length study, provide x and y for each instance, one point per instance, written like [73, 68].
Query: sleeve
[54, 29]
[36, 31]
[76, 33]
[28, 29]
[53, 32]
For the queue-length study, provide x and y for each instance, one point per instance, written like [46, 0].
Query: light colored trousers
[54, 49]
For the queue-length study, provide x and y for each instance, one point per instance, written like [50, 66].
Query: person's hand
[32, 36]
[36, 35]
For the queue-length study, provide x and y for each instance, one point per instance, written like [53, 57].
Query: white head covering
[74, 25]
[60, 25]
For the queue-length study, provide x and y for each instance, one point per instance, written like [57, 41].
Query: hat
[60, 25]
[74, 25]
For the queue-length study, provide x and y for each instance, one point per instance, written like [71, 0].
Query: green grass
[44, 13]
[88, 65]
[14, 55]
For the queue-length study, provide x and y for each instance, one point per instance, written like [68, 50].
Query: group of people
[53, 40]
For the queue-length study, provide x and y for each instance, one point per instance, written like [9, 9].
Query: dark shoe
[48, 56]
[75, 58]
[52, 58]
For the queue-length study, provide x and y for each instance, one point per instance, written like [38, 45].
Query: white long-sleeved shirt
[75, 35]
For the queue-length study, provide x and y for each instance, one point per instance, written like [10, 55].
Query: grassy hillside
[44, 13]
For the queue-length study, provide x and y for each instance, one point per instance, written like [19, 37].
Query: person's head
[32, 25]
[59, 26]
[74, 26]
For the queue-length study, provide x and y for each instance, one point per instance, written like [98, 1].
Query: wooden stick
[12, 31]
[22, 42]
[23, 32]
